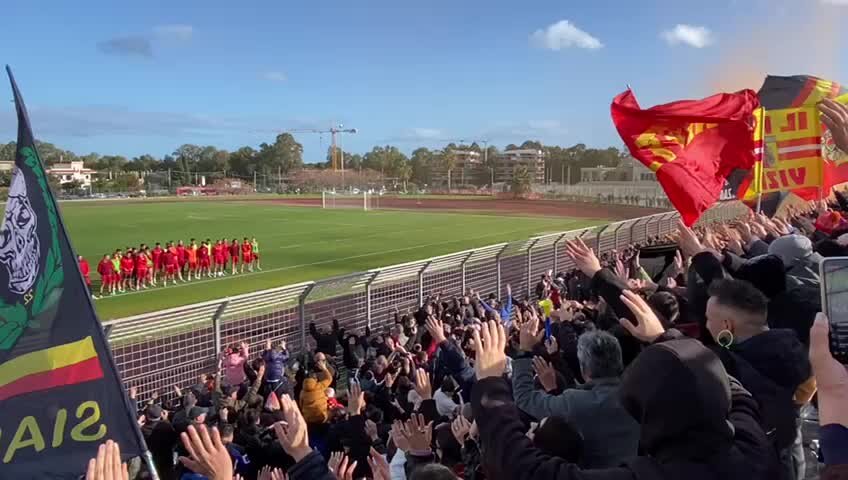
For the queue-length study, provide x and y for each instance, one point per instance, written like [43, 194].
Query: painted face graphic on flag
[19, 246]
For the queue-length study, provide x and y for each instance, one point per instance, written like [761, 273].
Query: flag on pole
[692, 145]
[60, 393]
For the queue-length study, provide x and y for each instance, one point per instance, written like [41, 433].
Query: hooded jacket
[313, 398]
[694, 426]
[275, 364]
[771, 366]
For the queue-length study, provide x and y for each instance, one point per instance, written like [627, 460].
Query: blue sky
[145, 77]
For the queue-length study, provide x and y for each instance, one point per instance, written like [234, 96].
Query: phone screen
[834, 285]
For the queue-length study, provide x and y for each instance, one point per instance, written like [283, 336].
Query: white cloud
[692, 35]
[175, 31]
[275, 76]
[564, 34]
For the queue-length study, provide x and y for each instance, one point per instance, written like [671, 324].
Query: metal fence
[157, 350]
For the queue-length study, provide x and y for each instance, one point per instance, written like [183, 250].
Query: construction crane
[337, 155]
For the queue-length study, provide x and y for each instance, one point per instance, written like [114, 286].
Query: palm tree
[448, 160]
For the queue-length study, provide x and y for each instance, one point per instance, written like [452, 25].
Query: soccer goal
[362, 200]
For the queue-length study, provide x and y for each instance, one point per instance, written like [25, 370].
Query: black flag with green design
[60, 394]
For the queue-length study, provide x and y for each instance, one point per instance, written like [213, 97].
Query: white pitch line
[322, 262]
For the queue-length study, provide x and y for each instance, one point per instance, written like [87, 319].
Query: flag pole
[758, 173]
[20, 108]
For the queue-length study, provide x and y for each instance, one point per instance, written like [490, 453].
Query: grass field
[297, 243]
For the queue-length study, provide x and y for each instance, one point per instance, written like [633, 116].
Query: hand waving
[208, 455]
[422, 384]
[490, 343]
[418, 433]
[546, 374]
[649, 326]
[835, 116]
[583, 256]
[292, 433]
[107, 465]
[436, 329]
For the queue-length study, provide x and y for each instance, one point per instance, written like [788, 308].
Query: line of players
[137, 269]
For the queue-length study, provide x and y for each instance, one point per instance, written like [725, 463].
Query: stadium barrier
[157, 350]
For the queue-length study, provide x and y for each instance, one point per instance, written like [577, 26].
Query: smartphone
[833, 274]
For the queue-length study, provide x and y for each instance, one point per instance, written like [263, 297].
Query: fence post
[216, 325]
[421, 283]
[462, 265]
[368, 298]
[530, 265]
[301, 312]
[498, 271]
[556, 252]
[598, 239]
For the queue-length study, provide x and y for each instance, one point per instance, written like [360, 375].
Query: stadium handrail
[168, 341]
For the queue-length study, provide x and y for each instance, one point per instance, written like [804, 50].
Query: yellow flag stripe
[46, 360]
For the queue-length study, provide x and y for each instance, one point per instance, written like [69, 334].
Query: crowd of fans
[695, 369]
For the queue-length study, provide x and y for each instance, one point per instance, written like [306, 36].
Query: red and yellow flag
[692, 145]
[67, 364]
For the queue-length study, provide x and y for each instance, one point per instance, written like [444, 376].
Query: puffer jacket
[313, 398]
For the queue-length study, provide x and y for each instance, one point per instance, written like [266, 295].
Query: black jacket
[771, 366]
[694, 426]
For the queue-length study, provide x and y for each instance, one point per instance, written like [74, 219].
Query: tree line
[285, 155]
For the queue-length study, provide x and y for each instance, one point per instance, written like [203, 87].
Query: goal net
[362, 200]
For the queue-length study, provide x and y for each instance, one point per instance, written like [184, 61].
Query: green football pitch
[296, 243]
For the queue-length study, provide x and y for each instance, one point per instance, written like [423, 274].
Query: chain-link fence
[157, 350]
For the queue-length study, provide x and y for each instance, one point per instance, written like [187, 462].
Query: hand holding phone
[833, 275]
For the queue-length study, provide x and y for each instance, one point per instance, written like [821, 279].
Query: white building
[531, 158]
[72, 172]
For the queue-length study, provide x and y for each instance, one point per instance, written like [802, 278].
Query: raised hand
[688, 241]
[490, 342]
[356, 399]
[292, 433]
[422, 384]
[584, 257]
[551, 345]
[418, 433]
[379, 466]
[398, 437]
[529, 334]
[835, 117]
[436, 329]
[107, 464]
[207, 454]
[335, 461]
[546, 373]
[460, 428]
[371, 430]
[649, 326]
[345, 469]
[269, 473]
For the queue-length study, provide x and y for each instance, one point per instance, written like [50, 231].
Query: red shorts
[192, 265]
[127, 273]
[106, 279]
[235, 259]
[171, 269]
[141, 273]
[219, 260]
[183, 263]
[157, 266]
[204, 263]
[254, 256]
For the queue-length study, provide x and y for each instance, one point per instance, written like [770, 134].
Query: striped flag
[60, 393]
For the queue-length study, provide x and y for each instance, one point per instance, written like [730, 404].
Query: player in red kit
[172, 266]
[85, 271]
[182, 259]
[203, 256]
[191, 251]
[140, 270]
[234, 255]
[127, 270]
[156, 256]
[246, 255]
[218, 254]
[106, 270]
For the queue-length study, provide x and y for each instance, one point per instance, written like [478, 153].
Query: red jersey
[218, 251]
[171, 259]
[182, 255]
[85, 269]
[156, 255]
[234, 250]
[141, 262]
[105, 268]
[127, 263]
[203, 252]
[246, 249]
